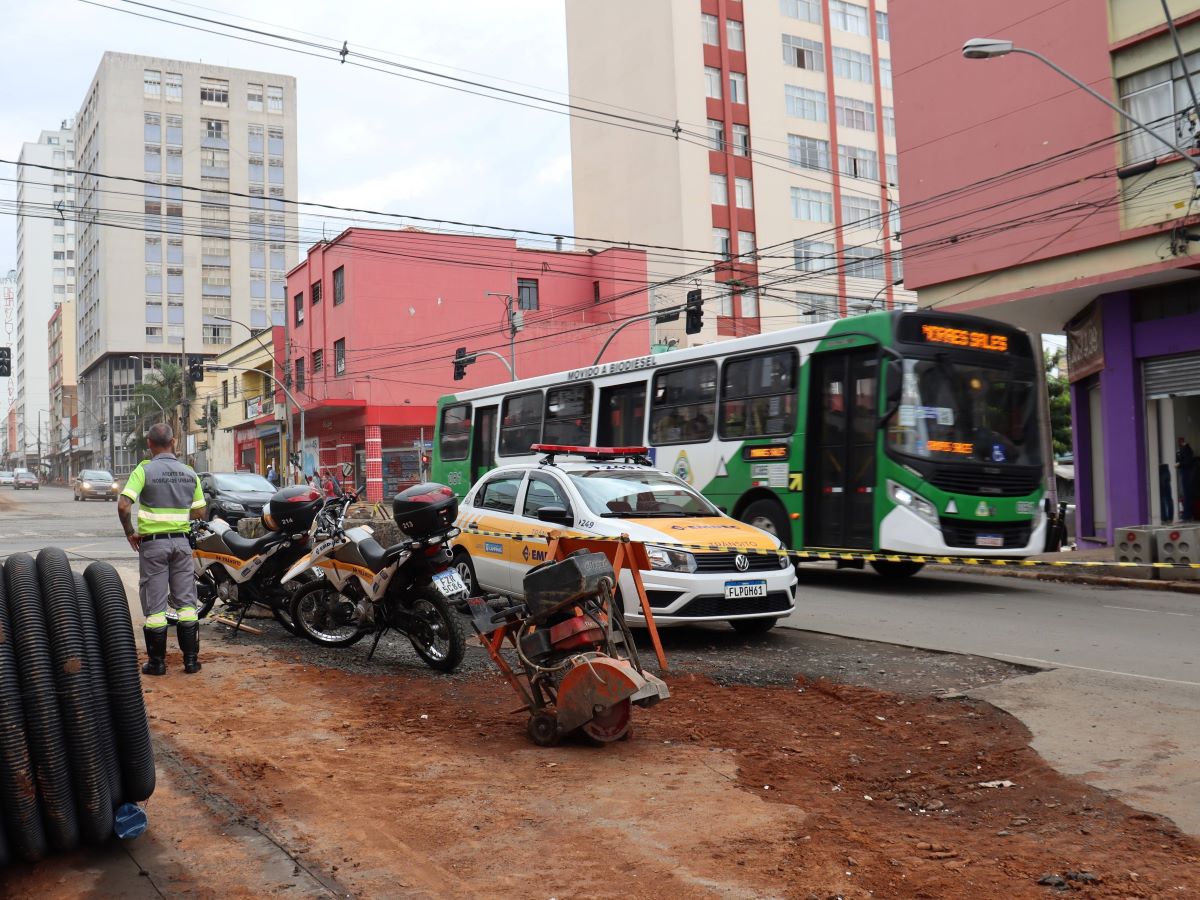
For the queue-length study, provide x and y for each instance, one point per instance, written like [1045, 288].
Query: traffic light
[695, 312]
[195, 368]
[5, 362]
[461, 360]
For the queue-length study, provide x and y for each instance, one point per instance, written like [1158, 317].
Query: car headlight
[902, 496]
[86, 486]
[785, 562]
[233, 507]
[667, 560]
[114, 486]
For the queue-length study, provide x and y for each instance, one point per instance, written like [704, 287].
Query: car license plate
[989, 540]
[739, 590]
[449, 584]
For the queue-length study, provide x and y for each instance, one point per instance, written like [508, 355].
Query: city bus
[914, 433]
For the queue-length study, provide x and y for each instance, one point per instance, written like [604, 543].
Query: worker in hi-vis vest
[169, 495]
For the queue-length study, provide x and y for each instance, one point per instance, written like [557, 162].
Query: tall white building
[45, 276]
[200, 234]
[782, 176]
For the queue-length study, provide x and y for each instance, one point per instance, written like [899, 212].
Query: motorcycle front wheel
[325, 616]
[436, 631]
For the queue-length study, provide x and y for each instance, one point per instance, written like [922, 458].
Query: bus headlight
[668, 560]
[902, 496]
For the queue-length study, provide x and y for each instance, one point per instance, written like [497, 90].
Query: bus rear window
[758, 395]
[569, 415]
[684, 405]
[455, 438]
[521, 425]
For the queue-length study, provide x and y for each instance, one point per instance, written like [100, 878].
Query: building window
[254, 97]
[804, 103]
[848, 17]
[300, 374]
[151, 133]
[743, 193]
[174, 85]
[710, 28]
[339, 357]
[741, 140]
[216, 129]
[893, 170]
[808, 153]
[812, 205]
[214, 91]
[274, 99]
[858, 210]
[737, 87]
[217, 333]
[318, 360]
[316, 293]
[804, 10]
[863, 262]
[749, 304]
[153, 159]
[721, 242]
[853, 113]
[881, 26]
[339, 285]
[803, 53]
[746, 246]
[813, 256]
[735, 34]
[275, 142]
[885, 72]
[527, 293]
[716, 134]
[152, 83]
[720, 189]
[858, 162]
[816, 307]
[153, 249]
[853, 65]
[298, 303]
[175, 130]
[174, 160]
[712, 83]
[889, 121]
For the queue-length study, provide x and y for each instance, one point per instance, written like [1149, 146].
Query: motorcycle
[368, 588]
[242, 572]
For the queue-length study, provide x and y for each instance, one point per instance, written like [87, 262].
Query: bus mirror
[895, 382]
[552, 512]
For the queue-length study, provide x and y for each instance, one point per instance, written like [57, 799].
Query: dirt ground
[400, 782]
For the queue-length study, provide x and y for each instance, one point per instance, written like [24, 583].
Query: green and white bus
[911, 433]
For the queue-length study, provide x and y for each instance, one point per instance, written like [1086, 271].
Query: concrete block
[1136, 544]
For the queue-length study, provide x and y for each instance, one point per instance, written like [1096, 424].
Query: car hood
[95, 481]
[701, 531]
[255, 498]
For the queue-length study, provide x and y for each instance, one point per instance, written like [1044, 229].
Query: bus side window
[684, 405]
[454, 440]
[521, 423]
[622, 414]
[569, 415]
[758, 395]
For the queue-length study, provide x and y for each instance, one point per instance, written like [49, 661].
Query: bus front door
[483, 442]
[839, 477]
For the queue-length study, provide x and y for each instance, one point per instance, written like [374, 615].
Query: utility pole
[515, 324]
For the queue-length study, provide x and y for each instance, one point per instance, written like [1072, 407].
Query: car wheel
[466, 571]
[752, 626]
[769, 516]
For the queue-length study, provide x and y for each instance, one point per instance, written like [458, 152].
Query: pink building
[1028, 201]
[374, 319]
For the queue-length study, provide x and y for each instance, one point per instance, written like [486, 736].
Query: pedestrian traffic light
[5, 362]
[195, 368]
[462, 359]
[695, 312]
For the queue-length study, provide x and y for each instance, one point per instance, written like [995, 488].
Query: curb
[1183, 587]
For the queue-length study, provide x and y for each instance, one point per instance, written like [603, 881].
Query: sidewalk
[1147, 577]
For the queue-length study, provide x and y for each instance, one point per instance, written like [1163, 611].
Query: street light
[990, 48]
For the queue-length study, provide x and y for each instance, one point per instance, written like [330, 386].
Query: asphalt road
[30, 520]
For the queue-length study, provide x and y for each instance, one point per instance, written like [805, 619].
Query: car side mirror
[556, 514]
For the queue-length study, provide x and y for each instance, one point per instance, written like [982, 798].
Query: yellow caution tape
[852, 555]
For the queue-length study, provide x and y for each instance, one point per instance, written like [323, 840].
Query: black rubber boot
[188, 634]
[156, 650]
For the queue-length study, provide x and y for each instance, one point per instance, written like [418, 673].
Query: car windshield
[243, 481]
[95, 475]
[639, 494]
[956, 411]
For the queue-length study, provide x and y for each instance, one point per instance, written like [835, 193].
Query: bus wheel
[770, 517]
[896, 569]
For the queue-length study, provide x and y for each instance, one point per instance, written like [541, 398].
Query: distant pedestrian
[330, 486]
[1185, 462]
[169, 495]
[273, 476]
[1167, 501]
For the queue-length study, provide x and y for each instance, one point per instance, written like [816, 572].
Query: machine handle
[508, 613]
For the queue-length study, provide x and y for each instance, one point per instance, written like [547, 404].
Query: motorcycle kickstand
[375, 643]
[238, 626]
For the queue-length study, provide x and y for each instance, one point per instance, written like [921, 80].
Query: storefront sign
[1085, 345]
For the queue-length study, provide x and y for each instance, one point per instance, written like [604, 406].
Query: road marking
[1062, 665]
[1140, 609]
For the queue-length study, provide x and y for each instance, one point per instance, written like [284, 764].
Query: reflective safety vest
[168, 491]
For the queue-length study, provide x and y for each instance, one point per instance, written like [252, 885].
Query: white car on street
[599, 497]
[7, 478]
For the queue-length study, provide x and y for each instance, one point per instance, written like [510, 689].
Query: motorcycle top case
[293, 509]
[425, 509]
[551, 587]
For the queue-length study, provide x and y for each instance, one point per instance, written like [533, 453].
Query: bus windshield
[639, 494]
[959, 411]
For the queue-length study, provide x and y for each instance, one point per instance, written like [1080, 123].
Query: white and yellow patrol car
[607, 493]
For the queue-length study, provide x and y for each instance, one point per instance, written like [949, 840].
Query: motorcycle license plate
[739, 590]
[449, 584]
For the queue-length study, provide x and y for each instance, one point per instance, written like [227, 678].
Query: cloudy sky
[366, 139]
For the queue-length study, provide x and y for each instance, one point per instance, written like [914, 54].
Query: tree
[1059, 400]
[156, 399]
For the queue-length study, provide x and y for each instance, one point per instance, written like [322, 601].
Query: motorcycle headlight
[909, 499]
[233, 507]
[668, 560]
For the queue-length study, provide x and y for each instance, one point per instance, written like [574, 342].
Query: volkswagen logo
[742, 562]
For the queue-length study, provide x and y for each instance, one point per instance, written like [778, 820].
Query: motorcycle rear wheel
[437, 634]
[317, 612]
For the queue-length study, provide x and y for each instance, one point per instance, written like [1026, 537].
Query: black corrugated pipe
[99, 689]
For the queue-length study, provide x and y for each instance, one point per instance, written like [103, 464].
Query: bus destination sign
[769, 452]
[962, 337]
[612, 368]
